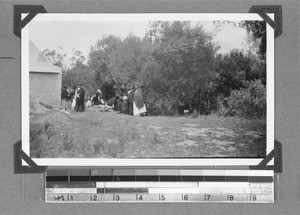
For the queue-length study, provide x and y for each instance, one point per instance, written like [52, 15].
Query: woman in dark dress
[96, 99]
[124, 108]
[81, 94]
[131, 100]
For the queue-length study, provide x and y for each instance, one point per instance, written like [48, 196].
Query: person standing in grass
[124, 108]
[119, 103]
[130, 100]
[76, 99]
[139, 107]
[70, 97]
[64, 97]
[81, 94]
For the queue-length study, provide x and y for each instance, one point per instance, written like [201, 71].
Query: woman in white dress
[75, 97]
[139, 107]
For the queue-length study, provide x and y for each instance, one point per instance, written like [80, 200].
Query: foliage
[40, 133]
[171, 60]
[258, 32]
[77, 58]
[57, 57]
[235, 68]
[98, 61]
[98, 145]
[184, 61]
[74, 69]
[125, 63]
[249, 101]
[67, 142]
[107, 89]
[81, 73]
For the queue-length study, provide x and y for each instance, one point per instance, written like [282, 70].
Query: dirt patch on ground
[254, 134]
[218, 141]
[187, 143]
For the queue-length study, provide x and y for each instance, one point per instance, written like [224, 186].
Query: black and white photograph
[142, 86]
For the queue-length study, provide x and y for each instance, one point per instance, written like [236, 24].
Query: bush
[38, 138]
[32, 105]
[67, 142]
[161, 104]
[249, 101]
[98, 147]
[37, 146]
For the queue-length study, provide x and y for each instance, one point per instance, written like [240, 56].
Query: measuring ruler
[128, 185]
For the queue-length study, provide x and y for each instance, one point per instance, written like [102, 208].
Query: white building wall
[45, 87]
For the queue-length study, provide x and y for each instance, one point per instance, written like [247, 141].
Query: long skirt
[81, 106]
[130, 108]
[64, 104]
[74, 103]
[89, 103]
[138, 111]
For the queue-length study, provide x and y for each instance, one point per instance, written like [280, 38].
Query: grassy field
[93, 134]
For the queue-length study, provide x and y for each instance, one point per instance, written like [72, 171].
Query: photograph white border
[166, 162]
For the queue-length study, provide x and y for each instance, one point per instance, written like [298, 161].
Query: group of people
[96, 99]
[73, 98]
[132, 102]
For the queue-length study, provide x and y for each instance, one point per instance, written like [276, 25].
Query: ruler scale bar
[153, 197]
[130, 185]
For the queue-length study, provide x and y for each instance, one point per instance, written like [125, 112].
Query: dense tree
[184, 62]
[234, 69]
[57, 57]
[258, 35]
[80, 73]
[77, 58]
[99, 59]
[127, 62]
[124, 63]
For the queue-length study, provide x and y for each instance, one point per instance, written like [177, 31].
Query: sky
[82, 34]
